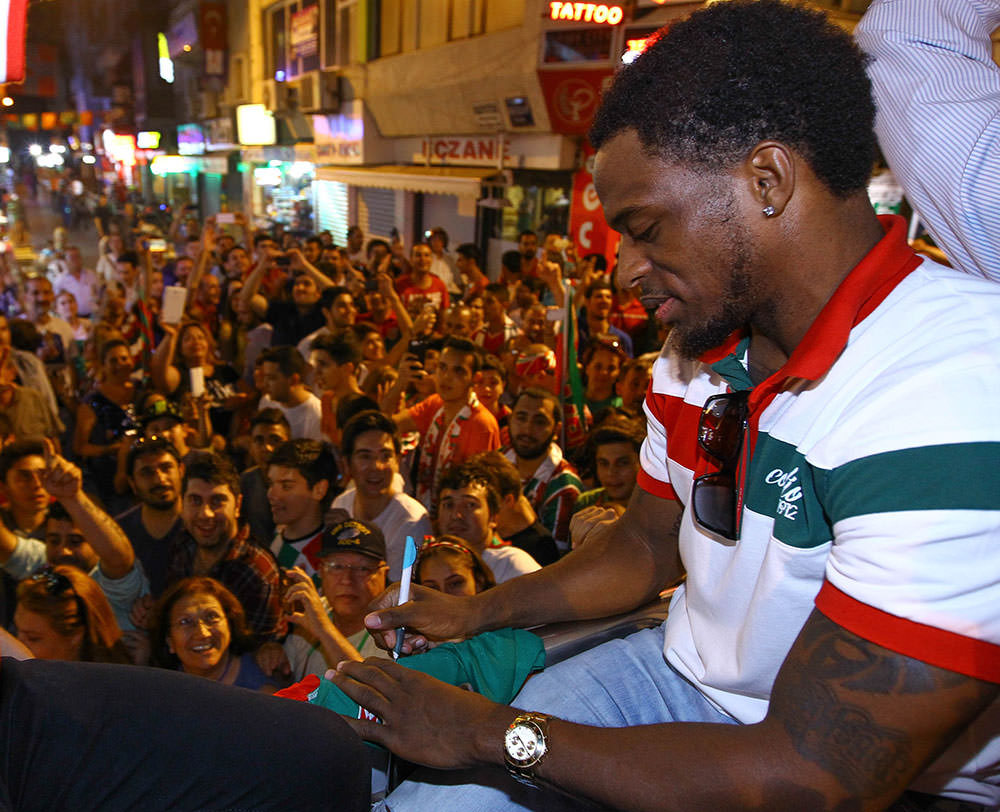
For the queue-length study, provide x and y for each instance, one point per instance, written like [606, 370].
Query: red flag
[13, 15]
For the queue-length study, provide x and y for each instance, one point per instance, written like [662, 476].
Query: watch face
[522, 744]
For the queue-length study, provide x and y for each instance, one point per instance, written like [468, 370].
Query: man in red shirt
[453, 424]
[420, 282]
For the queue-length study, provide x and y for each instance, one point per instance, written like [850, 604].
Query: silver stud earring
[768, 211]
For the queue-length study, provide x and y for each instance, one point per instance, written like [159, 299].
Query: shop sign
[213, 165]
[148, 139]
[214, 36]
[267, 176]
[190, 139]
[468, 151]
[220, 134]
[255, 125]
[488, 115]
[304, 38]
[263, 155]
[572, 97]
[588, 229]
[172, 165]
[586, 13]
[340, 138]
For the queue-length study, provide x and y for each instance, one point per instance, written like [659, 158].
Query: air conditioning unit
[280, 96]
[310, 96]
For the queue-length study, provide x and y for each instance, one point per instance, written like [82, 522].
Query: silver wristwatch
[525, 744]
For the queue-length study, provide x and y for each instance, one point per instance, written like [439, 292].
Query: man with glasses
[353, 572]
[836, 643]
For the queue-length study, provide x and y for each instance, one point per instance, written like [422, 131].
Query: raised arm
[305, 608]
[166, 377]
[299, 261]
[204, 255]
[64, 481]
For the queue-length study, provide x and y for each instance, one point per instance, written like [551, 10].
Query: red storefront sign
[572, 97]
[588, 229]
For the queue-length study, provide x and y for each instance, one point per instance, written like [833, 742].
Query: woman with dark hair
[104, 417]
[448, 565]
[199, 627]
[62, 614]
[189, 347]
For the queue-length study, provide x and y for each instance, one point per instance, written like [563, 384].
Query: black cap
[161, 408]
[354, 536]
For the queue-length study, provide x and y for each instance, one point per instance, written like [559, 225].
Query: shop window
[467, 18]
[542, 209]
[433, 23]
[350, 37]
[578, 45]
[501, 14]
[390, 27]
[279, 49]
[301, 36]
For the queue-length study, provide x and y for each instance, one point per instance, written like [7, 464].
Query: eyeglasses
[721, 429]
[58, 585]
[55, 582]
[357, 571]
[189, 623]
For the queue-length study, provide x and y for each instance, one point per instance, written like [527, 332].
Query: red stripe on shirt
[680, 424]
[944, 649]
[653, 486]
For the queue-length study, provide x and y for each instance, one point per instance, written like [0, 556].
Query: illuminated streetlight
[7, 101]
[35, 150]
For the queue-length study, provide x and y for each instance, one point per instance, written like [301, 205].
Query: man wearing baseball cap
[353, 572]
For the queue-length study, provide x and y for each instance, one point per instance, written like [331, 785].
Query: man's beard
[531, 452]
[733, 311]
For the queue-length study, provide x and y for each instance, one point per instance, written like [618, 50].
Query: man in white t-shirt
[283, 373]
[370, 447]
[468, 504]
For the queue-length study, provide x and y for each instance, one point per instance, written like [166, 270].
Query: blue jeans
[618, 684]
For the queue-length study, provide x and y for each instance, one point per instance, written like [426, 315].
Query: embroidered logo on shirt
[791, 492]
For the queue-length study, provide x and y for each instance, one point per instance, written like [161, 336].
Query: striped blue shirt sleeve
[937, 90]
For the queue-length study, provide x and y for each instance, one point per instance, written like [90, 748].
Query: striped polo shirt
[872, 489]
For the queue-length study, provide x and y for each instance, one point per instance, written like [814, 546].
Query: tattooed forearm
[866, 758]
[868, 717]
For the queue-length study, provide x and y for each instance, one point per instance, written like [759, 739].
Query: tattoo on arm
[831, 690]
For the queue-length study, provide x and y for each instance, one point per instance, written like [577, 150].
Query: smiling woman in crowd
[199, 627]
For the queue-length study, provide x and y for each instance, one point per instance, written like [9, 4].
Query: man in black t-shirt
[154, 473]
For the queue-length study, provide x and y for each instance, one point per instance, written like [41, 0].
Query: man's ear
[320, 489]
[770, 170]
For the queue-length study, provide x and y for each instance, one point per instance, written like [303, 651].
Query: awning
[438, 180]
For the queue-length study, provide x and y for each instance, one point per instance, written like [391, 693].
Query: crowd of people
[188, 426]
[213, 462]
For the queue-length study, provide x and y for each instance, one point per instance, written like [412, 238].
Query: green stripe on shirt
[959, 476]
